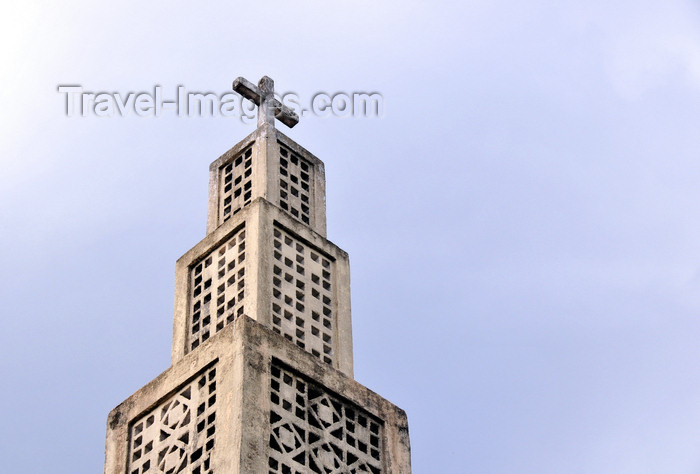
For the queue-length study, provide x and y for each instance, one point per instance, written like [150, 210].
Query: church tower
[261, 379]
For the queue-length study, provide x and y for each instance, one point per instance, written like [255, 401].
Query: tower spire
[261, 379]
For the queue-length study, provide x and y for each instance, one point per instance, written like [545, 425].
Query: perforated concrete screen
[217, 288]
[316, 431]
[295, 184]
[178, 434]
[236, 184]
[302, 295]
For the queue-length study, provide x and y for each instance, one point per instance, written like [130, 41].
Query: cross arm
[284, 114]
[247, 89]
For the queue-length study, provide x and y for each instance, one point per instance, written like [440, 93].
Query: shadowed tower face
[262, 366]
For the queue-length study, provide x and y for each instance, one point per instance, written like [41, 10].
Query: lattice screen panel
[303, 303]
[177, 435]
[295, 184]
[217, 289]
[236, 185]
[315, 431]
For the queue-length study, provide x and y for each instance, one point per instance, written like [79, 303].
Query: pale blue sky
[523, 223]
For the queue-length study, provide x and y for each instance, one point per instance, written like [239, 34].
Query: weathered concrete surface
[251, 426]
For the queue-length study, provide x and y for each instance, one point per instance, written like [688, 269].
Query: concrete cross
[263, 95]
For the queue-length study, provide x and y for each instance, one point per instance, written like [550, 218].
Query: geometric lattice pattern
[217, 289]
[294, 184]
[177, 435]
[236, 185]
[302, 303]
[314, 431]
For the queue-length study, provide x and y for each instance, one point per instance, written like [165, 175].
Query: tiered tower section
[262, 366]
[266, 255]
